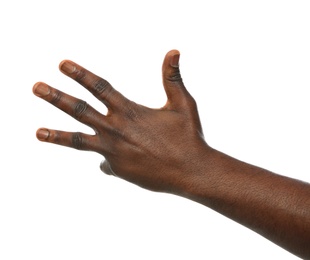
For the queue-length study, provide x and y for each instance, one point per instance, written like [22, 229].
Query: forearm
[274, 206]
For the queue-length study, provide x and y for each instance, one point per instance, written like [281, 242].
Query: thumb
[172, 80]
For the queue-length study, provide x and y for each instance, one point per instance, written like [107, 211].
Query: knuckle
[131, 111]
[101, 85]
[117, 134]
[131, 114]
[55, 97]
[56, 137]
[175, 75]
[77, 141]
[80, 75]
[80, 108]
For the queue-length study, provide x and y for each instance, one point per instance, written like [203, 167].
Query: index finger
[98, 86]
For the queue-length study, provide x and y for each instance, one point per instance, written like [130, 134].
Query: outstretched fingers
[76, 108]
[98, 86]
[79, 141]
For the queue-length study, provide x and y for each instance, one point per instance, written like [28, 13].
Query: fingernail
[174, 62]
[42, 134]
[41, 89]
[67, 67]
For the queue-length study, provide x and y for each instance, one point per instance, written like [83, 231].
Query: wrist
[197, 173]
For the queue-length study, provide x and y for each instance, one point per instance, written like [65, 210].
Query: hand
[153, 148]
[164, 150]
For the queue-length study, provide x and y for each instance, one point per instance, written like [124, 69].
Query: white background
[247, 63]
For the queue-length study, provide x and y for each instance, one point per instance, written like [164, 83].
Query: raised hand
[154, 148]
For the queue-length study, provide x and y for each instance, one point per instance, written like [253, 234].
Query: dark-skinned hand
[164, 150]
[153, 148]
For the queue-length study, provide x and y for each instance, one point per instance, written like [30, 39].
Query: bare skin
[164, 150]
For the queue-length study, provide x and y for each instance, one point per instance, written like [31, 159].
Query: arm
[164, 150]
